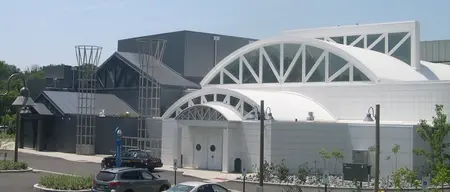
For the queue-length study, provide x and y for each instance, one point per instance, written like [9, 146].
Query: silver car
[127, 179]
[194, 186]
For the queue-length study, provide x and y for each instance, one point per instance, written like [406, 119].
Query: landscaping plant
[66, 182]
[282, 172]
[395, 150]
[325, 156]
[441, 176]
[405, 178]
[268, 170]
[338, 157]
[303, 172]
[11, 165]
[434, 135]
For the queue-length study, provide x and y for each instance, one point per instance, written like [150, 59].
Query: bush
[11, 165]
[303, 172]
[268, 170]
[66, 182]
[282, 172]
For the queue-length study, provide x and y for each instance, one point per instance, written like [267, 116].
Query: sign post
[325, 179]
[425, 182]
[118, 134]
[244, 175]
[175, 167]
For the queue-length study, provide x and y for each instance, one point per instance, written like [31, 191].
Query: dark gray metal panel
[162, 73]
[105, 140]
[199, 59]
[169, 95]
[42, 109]
[68, 103]
[435, 51]
[62, 136]
[173, 55]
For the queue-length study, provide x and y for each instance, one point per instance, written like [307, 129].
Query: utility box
[356, 171]
[360, 156]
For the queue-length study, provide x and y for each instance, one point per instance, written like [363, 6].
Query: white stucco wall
[400, 101]
[299, 142]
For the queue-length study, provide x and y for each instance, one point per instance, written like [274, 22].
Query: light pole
[262, 117]
[118, 134]
[23, 100]
[376, 115]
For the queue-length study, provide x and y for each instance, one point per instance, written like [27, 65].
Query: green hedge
[66, 182]
[11, 165]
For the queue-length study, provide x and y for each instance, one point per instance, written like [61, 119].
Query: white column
[226, 150]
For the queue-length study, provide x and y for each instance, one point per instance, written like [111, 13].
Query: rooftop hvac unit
[360, 156]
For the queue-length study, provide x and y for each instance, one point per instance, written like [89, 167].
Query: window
[131, 175]
[147, 175]
[218, 188]
[105, 176]
[205, 188]
[180, 188]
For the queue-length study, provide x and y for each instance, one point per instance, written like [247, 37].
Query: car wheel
[151, 168]
[164, 188]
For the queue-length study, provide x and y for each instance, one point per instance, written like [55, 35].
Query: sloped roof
[67, 103]
[41, 109]
[163, 73]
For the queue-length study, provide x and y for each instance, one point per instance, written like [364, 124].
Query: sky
[45, 32]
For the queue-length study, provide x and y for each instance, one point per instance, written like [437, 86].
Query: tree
[325, 156]
[441, 177]
[338, 157]
[434, 136]
[395, 150]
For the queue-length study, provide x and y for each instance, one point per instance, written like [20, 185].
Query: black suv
[133, 158]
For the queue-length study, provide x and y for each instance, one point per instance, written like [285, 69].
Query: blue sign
[118, 134]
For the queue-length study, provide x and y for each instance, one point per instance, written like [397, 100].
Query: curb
[38, 188]
[51, 172]
[322, 186]
[17, 171]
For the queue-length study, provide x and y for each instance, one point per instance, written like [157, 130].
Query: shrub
[282, 172]
[66, 182]
[268, 170]
[11, 165]
[303, 172]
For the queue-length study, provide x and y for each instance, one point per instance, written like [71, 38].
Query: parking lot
[22, 182]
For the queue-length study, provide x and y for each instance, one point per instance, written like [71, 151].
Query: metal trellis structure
[88, 57]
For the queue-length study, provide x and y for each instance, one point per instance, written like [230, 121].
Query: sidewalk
[210, 176]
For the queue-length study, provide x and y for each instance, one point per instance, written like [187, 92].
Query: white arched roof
[435, 71]
[285, 106]
[385, 67]
[375, 66]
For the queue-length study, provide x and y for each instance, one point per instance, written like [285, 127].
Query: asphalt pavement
[60, 165]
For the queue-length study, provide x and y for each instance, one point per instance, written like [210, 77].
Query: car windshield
[105, 176]
[180, 188]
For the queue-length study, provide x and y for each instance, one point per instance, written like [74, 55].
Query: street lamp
[118, 134]
[262, 116]
[376, 115]
[23, 100]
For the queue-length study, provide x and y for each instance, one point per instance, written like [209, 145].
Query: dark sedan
[134, 158]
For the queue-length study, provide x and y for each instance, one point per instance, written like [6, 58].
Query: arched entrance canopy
[243, 104]
[209, 112]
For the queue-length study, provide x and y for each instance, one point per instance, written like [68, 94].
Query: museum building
[318, 86]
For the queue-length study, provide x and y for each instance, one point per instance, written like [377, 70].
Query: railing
[152, 145]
